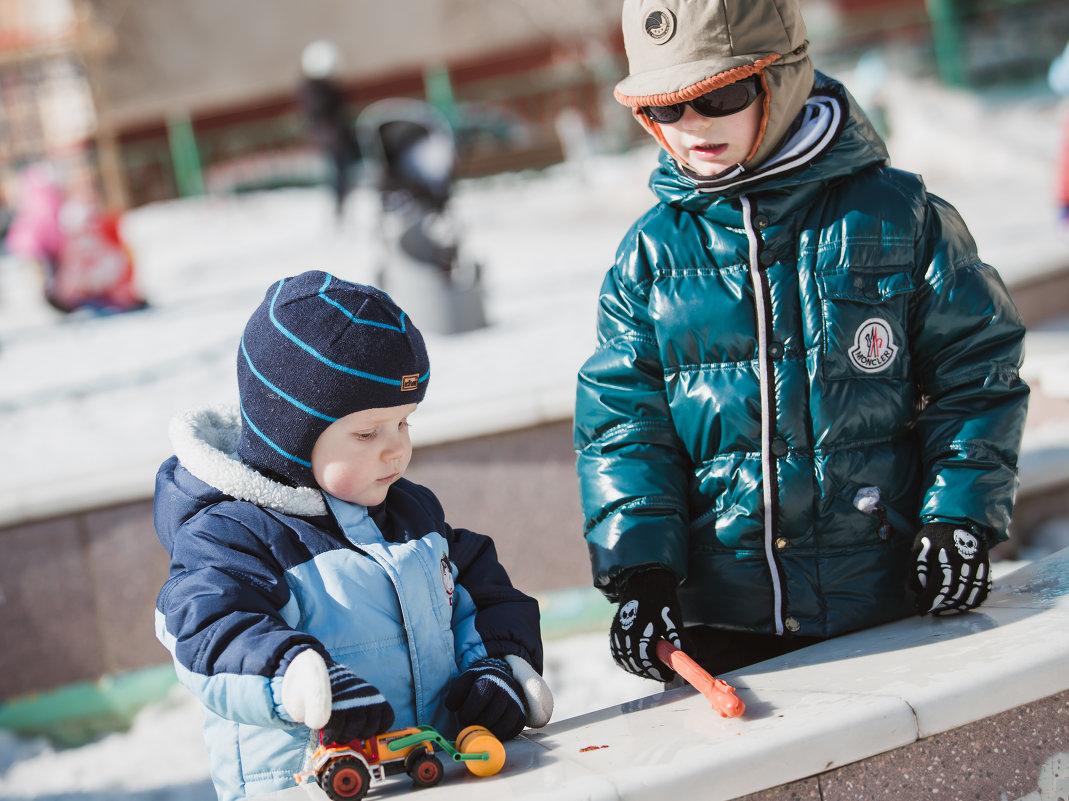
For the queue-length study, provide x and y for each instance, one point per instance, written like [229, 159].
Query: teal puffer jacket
[775, 347]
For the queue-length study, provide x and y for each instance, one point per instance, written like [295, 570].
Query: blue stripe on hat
[271, 444]
[308, 348]
[350, 315]
[278, 391]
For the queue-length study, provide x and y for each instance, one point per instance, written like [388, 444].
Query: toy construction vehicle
[344, 771]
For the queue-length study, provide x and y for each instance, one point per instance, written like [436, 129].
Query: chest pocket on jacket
[864, 315]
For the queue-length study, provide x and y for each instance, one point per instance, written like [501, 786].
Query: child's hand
[487, 694]
[333, 699]
[648, 611]
[952, 572]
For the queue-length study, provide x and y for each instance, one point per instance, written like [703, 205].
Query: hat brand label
[409, 382]
[659, 25]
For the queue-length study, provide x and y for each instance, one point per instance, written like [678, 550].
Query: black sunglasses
[730, 99]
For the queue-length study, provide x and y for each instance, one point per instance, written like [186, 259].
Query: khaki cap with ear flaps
[680, 49]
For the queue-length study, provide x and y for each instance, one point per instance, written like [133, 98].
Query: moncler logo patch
[660, 24]
[409, 382]
[874, 348]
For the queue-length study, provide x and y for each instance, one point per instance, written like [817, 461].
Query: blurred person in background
[1058, 78]
[330, 128]
[84, 261]
[35, 232]
[804, 410]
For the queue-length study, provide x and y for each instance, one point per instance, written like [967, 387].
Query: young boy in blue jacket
[312, 587]
[804, 410]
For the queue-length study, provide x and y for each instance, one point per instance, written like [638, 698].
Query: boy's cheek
[333, 477]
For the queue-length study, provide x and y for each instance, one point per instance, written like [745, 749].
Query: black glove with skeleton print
[648, 611]
[952, 573]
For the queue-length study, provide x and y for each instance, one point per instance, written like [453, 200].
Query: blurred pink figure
[1058, 78]
[35, 231]
[85, 261]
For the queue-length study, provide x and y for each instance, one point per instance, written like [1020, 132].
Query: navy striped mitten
[357, 709]
[325, 695]
[487, 694]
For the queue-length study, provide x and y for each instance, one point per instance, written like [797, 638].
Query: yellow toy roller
[478, 740]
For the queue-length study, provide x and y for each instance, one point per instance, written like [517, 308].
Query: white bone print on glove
[952, 573]
[648, 612]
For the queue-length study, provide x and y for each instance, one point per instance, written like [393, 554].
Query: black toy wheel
[425, 769]
[345, 779]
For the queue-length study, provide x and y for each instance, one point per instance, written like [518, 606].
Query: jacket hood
[830, 138]
[206, 470]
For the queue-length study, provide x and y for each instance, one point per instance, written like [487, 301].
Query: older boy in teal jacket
[804, 410]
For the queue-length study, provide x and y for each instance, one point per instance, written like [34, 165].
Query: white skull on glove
[966, 543]
[628, 612]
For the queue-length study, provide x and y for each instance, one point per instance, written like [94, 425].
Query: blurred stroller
[411, 155]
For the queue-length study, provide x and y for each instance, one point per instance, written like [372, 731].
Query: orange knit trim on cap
[700, 88]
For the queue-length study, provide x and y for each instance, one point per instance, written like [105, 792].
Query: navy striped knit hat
[317, 349]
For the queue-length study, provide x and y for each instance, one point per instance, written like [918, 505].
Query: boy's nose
[393, 447]
[691, 118]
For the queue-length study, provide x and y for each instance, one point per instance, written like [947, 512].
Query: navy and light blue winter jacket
[393, 593]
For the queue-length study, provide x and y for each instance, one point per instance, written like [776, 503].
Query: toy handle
[718, 692]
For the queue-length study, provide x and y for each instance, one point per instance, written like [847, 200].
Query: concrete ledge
[840, 702]
[1018, 755]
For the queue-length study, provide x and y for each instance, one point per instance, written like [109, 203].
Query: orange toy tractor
[345, 770]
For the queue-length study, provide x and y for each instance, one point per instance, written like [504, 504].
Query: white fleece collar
[206, 441]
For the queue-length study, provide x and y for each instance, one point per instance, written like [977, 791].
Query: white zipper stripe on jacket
[766, 412]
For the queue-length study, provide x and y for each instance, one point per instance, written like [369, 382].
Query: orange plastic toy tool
[719, 693]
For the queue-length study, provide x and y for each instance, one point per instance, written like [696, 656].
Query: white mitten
[306, 689]
[535, 690]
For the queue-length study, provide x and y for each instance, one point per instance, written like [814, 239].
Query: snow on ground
[84, 401]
